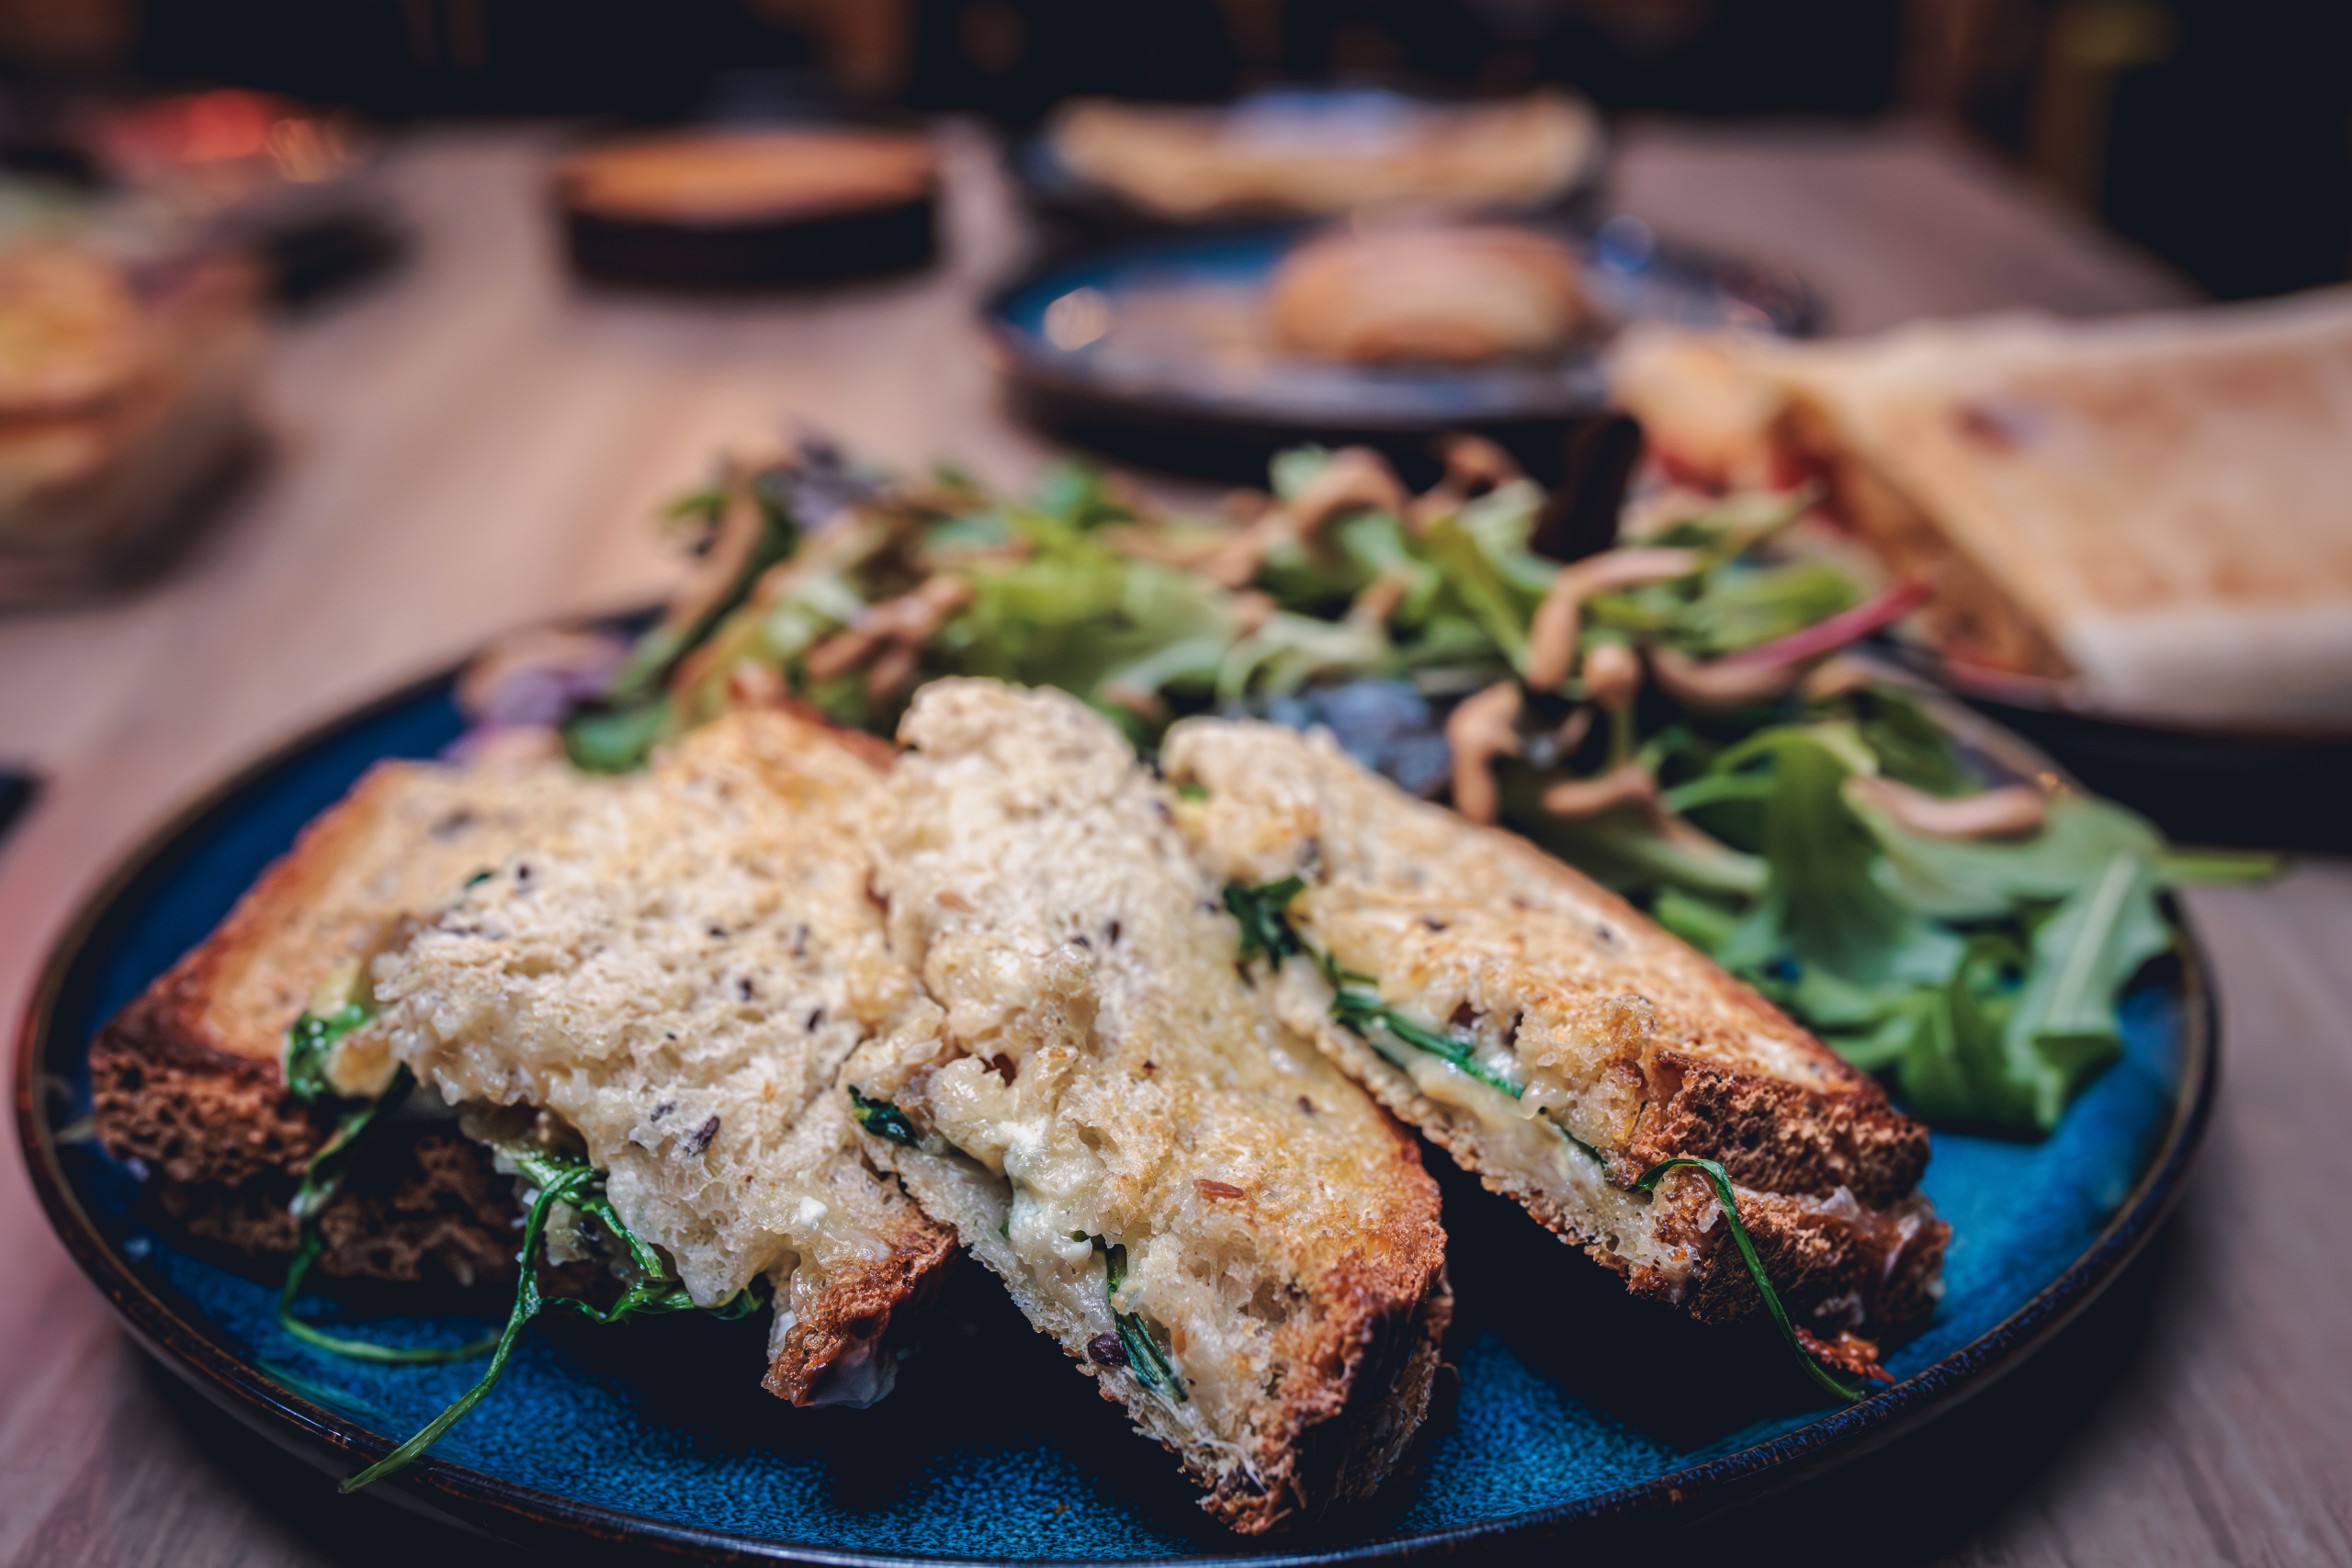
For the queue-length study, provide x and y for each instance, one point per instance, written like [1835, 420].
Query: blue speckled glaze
[663, 1420]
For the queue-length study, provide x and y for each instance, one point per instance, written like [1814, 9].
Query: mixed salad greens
[1678, 717]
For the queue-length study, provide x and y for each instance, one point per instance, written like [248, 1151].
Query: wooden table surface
[476, 444]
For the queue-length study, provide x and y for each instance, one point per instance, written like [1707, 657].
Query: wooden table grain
[477, 442]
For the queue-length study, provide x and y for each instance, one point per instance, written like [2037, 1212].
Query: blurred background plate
[1331, 126]
[751, 205]
[2262, 788]
[659, 1437]
[1158, 352]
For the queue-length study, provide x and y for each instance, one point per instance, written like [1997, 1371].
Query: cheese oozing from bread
[676, 976]
[1576, 1043]
[1224, 1231]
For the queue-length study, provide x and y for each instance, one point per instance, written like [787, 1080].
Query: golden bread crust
[1633, 1047]
[676, 971]
[860, 1303]
[187, 1077]
[193, 1114]
[1090, 1072]
[1775, 1135]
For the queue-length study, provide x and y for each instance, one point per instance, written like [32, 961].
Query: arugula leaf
[615, 741]
[1295, 469]
[1703, 923]
[1743, 606]
[1823, 904]
[306, 1042]
[1145, 1357]
[1720, 1180]
[1500, 522]
[2063, 1029]
[310, 1040]
[1910, 746]
[704, 506]
[1265, 926]
[1078, 495]
[1621, 847]
[1480, 588]
[1266, 932]
[1945, 1043]
[561, 1178]
[1962, 879]
[1364, 1014]
[529, 1302]
[883, 1120]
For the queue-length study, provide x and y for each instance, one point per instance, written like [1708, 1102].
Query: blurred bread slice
[1626, 1047]
[2152, 506]
[1096, 1098]
[673, 977]
[1427, 292]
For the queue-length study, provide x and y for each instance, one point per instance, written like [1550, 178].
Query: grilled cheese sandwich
[1227, 1235]
[1560, 1045]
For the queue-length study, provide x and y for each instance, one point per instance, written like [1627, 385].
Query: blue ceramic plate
[656, 1434]
[1178, 324]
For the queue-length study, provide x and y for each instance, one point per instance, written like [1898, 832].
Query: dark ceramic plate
[1158, 351]
[2257, 788]
[1577, 1412]
[791, 251]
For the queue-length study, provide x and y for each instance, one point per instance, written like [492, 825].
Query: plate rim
[476, 1500]
[1026, 363]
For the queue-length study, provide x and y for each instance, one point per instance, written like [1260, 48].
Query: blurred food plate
[124, 408]
[287, 182]
[1305, 151]
[1180, 351]
[726, 207]
[661, 1444]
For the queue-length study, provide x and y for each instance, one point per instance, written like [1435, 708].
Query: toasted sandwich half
[1557, 1043]
[189, 1078]
[2144, 508]
[1222, 1230]
[667, 986]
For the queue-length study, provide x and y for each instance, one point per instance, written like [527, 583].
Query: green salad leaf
[1981, 975]
[310, 1040]
[882, 1119]
[1145, 1357]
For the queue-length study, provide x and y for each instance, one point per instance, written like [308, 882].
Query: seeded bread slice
[1610, 1033]
[1223, 1230]
[187, 1078]
[676, 975]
